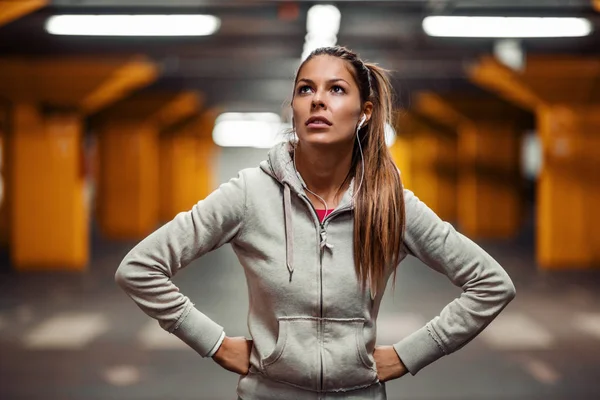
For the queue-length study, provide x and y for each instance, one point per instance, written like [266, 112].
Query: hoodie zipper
[321, 334]
[321, 250]
[323, 237]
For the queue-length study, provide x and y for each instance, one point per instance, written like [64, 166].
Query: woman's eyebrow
[311, 82]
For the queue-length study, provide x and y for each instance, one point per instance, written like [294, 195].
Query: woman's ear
[368, 111]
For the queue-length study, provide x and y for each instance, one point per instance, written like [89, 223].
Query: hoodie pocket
[295, 358]
[340, 357]
[346, 361]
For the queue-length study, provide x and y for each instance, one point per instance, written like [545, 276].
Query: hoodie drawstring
[289, 229]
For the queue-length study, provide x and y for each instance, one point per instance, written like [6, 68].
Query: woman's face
[326, 103]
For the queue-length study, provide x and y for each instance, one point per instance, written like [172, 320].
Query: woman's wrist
[221, 349]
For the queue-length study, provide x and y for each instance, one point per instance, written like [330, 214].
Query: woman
[319, 228]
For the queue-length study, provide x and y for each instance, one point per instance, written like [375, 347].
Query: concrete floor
[77, 336]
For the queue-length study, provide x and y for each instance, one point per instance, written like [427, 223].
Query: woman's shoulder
[256, 180]
[253, 174]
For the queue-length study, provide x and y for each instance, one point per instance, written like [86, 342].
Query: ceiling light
[259, 130]
[323, 19]
[322, 26]
[506, 27]
[133, 25]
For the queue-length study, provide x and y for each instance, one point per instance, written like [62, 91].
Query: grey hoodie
[314, 328]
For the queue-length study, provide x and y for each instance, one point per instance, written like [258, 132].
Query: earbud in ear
[362, 121]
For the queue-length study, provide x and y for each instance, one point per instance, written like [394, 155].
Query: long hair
[379, 204]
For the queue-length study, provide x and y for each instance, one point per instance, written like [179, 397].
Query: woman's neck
[324, 170]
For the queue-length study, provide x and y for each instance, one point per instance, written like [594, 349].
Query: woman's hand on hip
[389, 365]
[234, 354]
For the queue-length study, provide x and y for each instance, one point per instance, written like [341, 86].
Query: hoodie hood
[280, 165]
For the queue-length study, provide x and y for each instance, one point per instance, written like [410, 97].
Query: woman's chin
[320, 139]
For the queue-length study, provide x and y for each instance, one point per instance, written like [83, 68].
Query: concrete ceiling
[250, 63]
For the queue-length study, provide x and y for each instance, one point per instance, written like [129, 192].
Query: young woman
[319, 228]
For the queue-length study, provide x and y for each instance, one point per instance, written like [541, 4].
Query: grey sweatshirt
[313, 326]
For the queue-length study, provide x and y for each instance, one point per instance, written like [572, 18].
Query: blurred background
[117, 114]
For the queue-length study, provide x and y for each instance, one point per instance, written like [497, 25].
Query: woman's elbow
[509, 290]
[123, 275]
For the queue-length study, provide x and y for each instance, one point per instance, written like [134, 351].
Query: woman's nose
[317, 103]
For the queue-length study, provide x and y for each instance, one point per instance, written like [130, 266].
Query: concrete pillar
[186, 172]
[130, 171]
[207, 151]
[46, 165]
[49, 222]
[4, 153]
[489, 203]
[402, 153]
[128, 194]
[560, 91]
[426, 156]
[4, 184]
[489, 198]
[568, 216]
[179, 181]
[434, 172]
[187, 161]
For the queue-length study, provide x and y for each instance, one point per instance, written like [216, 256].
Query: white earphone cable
[362, 174]
[306, 187]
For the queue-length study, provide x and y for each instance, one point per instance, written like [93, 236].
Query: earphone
[362, 121]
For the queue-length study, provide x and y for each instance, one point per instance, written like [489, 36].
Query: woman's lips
[318, 123]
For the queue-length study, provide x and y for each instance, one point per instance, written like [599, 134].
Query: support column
[489, 199]
[207, 152]
[426, 155]
[49, 226]
[560, 90]
[4, 184]
[187, 164]
[129, 193]
[569, 186]
[402, 154]
[179, 180]
[128, 197]
[489, 203]
[47, 192]
[434, 172]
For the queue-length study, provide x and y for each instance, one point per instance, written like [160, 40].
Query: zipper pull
[324, 240]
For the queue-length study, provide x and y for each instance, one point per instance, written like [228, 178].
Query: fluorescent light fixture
[133, 25]
[259, 130]
[506, 27]
[323, 19]
[322, 26]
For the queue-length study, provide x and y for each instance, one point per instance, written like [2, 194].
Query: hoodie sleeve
[487, 288]
[146, 271]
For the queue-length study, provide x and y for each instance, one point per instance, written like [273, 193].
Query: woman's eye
[338, 89]
[303, 89]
